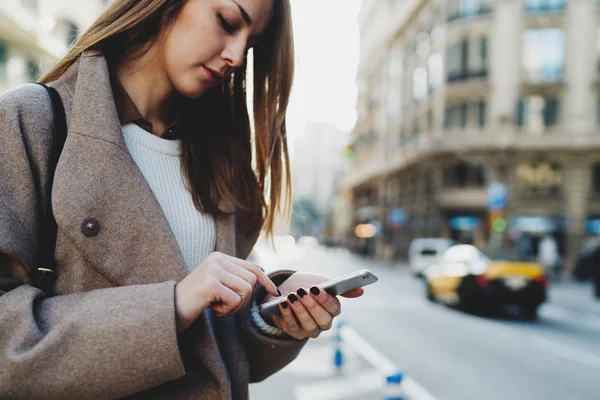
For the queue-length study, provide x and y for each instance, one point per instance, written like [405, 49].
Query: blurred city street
[452, 354]
[420, 131]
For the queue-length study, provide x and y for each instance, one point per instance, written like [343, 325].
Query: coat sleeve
[266, 355]
[105, 343]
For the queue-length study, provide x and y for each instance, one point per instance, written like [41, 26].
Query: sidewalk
[313, 376]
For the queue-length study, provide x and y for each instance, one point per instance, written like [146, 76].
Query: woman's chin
[193, 91]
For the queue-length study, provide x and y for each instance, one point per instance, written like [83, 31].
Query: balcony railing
[465, 14]
[545, 74]
[537, 6]
[465, 75]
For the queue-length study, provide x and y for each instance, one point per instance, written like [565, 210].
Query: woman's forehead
[259, 12]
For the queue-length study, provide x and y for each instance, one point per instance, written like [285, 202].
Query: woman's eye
[226, 25]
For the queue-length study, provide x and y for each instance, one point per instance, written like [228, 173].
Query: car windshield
[463, 253]
[498, 254]
[429, 252]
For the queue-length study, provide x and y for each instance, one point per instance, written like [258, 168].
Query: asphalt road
[456, 355]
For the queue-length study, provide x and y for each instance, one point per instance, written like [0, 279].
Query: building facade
[317, 163]
[35, 34]
[455, 95]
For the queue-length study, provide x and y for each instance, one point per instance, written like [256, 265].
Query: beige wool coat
[110, 330]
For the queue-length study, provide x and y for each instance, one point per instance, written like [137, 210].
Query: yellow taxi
[467, 278]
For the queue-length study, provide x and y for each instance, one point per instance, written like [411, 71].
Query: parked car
[424, 252]
[467, 278]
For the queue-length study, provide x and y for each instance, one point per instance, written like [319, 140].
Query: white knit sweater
[159, 161]
[195, 232]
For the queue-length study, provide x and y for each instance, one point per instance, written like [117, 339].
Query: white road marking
[414, 390]
[568, 352]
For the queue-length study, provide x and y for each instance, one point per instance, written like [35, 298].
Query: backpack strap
[44, 276]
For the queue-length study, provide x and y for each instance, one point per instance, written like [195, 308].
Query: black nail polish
[292, 297]
[285, 305]
[315, 290]
[301, 292]
[278, 292]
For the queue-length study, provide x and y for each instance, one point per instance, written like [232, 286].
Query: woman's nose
[234, 53]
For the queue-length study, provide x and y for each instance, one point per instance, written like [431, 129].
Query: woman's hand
[308, 310]
[221, 281]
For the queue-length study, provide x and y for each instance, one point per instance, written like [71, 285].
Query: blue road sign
[496, 195]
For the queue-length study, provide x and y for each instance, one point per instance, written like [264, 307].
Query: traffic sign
[496, 195]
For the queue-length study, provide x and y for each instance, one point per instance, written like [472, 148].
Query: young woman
[158, 197]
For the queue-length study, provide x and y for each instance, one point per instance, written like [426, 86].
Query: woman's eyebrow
[244, 13]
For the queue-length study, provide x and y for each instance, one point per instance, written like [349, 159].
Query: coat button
[90, 227]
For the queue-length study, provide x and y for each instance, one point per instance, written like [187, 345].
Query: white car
[424, 252]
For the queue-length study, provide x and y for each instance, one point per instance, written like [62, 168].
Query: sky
[326, 44]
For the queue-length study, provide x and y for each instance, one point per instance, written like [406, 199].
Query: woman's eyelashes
[227, 27]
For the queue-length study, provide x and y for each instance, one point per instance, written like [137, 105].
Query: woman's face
[209, 39]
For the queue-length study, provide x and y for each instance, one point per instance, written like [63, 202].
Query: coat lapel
[97, 178]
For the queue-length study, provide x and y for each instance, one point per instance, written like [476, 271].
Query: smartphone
[334, 287]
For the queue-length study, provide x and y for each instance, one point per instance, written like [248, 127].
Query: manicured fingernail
[292, 297]
[284, 305]
[301, 292]
[315, 290]
[279, 293]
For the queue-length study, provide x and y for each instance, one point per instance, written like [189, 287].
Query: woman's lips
[212, 75]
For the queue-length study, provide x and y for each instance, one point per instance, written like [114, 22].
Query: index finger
[354, 293]
[261, 277]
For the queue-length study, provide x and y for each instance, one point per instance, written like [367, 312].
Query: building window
[454, 60]
[542, 178]
[463, 175]
[430, 118]
[477, 57]
[481, 107]
[450, 117]
[468, 59]
[461, 116]
[464, 111]
[536, 113]
[596, 178]
[543, 55]
[3, 62]
[544, 5]
[459, 9]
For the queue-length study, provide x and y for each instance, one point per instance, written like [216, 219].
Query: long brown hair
[218, 161]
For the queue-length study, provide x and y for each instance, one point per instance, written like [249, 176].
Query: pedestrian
[548, 255]
[158, 199]
[595, 266]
